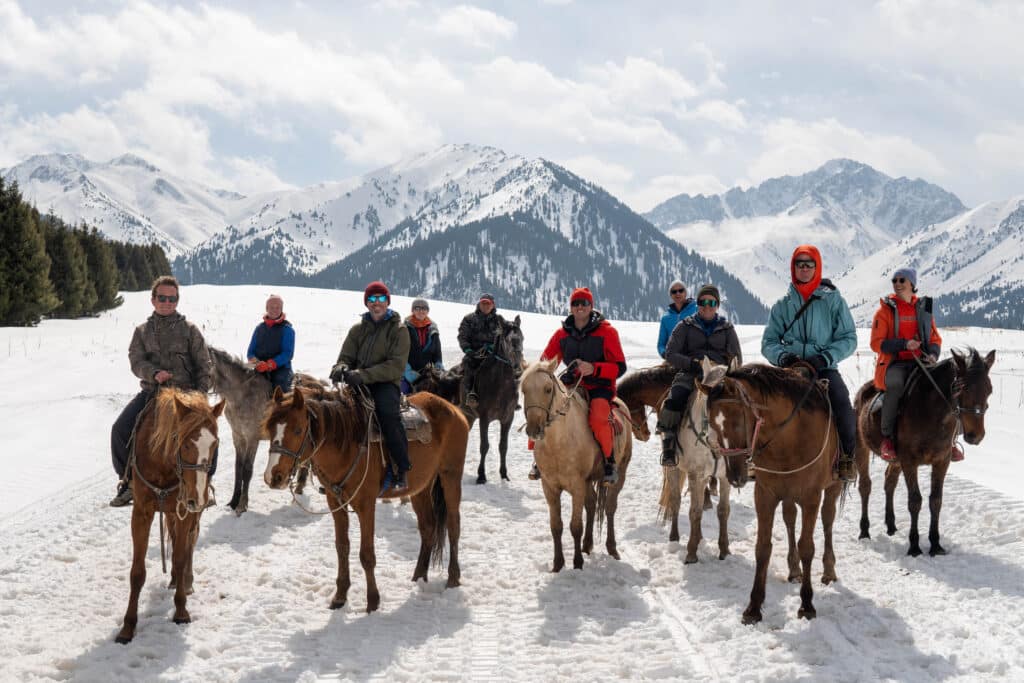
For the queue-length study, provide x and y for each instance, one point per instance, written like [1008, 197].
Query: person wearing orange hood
[898, 332]
[812, 323]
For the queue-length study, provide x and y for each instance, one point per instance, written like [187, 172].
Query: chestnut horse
[174, 443]
[933, 413]
[570, 459]
[779, 424]
[332, 435]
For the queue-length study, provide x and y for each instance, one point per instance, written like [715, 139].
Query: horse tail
[439, 509]
[671, 493]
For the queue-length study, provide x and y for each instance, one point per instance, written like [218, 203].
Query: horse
[940, 402]
[792, 458]
[697, 462]
[248, 394]
[497, 399]
[570, 459]
[332, 435]
[173, 447]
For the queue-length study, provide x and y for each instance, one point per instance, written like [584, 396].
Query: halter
[561, 412]
[296, 456]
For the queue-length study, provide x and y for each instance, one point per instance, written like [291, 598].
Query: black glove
[338, 373]
[818, 361]
[354, 378]
[787, 358]
[695, 367]
[568, 377]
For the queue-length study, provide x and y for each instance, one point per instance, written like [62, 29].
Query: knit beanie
[709, 290]
[676, 284]
[376, 287]
[581, 293]
[420, 303]
[909, 273]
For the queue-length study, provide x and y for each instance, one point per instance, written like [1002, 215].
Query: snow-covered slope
[973, 264]
[263, 581]
[847, 209]
[127, 198]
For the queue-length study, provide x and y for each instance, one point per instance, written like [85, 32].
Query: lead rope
[824, 444]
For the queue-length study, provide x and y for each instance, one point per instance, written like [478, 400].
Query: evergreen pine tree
[28, 293]
[99, 254]
[68, 270]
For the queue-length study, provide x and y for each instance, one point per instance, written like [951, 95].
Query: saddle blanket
[417, 426]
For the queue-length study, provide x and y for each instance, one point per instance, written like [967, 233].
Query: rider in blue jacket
[813, 323]
[273, 344]
[681, 307]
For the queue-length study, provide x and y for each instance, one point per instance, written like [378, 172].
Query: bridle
[553, 415]
[296, 456]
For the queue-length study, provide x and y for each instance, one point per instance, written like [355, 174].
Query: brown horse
[647, 387]
[931, 417]
[779, 423]
[570, 459]
[332, 435]
[173, 448]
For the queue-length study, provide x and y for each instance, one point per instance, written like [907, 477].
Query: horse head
[971, 390]
[540, 389]
[288, 425]
[509, 342]
[194, 435]
[727, 408]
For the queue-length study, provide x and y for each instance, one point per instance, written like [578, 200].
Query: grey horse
[248, 393]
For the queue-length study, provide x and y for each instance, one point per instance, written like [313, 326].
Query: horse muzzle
[275, 480]
[974, 438]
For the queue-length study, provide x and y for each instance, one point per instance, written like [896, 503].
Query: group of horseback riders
[384, 355]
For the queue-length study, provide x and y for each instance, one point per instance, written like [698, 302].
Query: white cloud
[252, 176]
[791, 146]
[1003, 147]
[474, 26]
[719, 112]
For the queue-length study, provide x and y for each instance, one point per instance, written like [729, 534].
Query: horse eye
[547, 390]
[296, 431]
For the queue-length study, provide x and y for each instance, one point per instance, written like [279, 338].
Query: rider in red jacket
[589, 346]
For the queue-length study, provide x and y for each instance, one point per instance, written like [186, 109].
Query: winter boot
[611, 472]
[534, 474]
[845, 469]
[123, 497]
[668, 422]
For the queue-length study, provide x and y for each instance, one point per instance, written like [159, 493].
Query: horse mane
[337, 417]
[657, 375]
[769, 381]
[167, 427]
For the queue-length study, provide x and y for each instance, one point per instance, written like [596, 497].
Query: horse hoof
[828, 578]
[481, 479]
[750, 618]
[183, 620]
[123, 639]
[807, 613]
[612, 552]
[724, 554]
[937, 550]
[796, 578]
[416, 577]
[336, 604]
[672, 538]
[690, 559]
[914, 552]
[453, 582]
[890, 530]
[864, 534]
[373, 606]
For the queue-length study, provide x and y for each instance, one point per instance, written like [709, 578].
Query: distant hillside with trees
[51, 269]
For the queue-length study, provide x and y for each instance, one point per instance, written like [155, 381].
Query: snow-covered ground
[263, 580]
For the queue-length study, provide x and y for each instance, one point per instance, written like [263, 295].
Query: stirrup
[611, 473]
[669, 454]
[957, 454]
[534, 474]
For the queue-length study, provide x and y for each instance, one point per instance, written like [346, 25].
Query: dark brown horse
[332, 435]
[645, 388]
[173, 448]
[931, 417]
[779, 423]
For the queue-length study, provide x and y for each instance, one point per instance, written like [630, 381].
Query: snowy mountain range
[555, 231]
[847, 209]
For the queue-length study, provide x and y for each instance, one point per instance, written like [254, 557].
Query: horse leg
[485, 445]
[576, 526]
[863, 486]
[697, 492]
[421, 505]
[809, 507]
[765, 504]
[193, 536]
[914, 504]
[451, 487]
[142, 520]
[723, 517]
[828, 516]
[590, 505]
[341, 546]
[674, 492]
[892, 477]
[241, 454]
[250, 459]
[367, 554]
[180, 552]
[554, 498]
[503, 447]
[611, 504]
[935, 507]
[792, 555]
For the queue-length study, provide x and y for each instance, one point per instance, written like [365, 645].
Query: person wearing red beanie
[590, 348]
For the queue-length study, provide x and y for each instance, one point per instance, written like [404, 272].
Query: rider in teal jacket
[822, 335]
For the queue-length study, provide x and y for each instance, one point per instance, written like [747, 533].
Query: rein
[564, 409]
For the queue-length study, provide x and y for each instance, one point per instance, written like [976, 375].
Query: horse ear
[180, 409]
[298, 400]
[734, 364]
[552, 364]
[958, 358]
[516, 321]
[218, 409]
[278, 395]
[990, 359]
[705, 365]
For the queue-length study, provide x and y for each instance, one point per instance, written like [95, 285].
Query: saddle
[417, 426]
[616, 416]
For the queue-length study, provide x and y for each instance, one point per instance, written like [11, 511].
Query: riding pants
[842, 411]
[121, 433]
[682, 387]
[895, 384]
[386, 400]
[281, 377]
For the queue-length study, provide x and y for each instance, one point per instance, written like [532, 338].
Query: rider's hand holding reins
[162, 376]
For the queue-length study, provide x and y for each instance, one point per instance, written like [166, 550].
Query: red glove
[266, 365]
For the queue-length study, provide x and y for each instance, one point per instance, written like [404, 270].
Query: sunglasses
[580, 302]
[377, 298]
[710, 303]
[420, 308]
[677, 291]
[163, 298]
[899, 280]
[804, 264]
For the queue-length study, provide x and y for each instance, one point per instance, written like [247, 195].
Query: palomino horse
[496, 391]
[174, 444]
[248, 394]
[697, 462]
[931, 417]
[570, 459]
[332, 436]
[780, 424]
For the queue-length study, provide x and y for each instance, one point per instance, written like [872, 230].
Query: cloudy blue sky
[649, 99]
